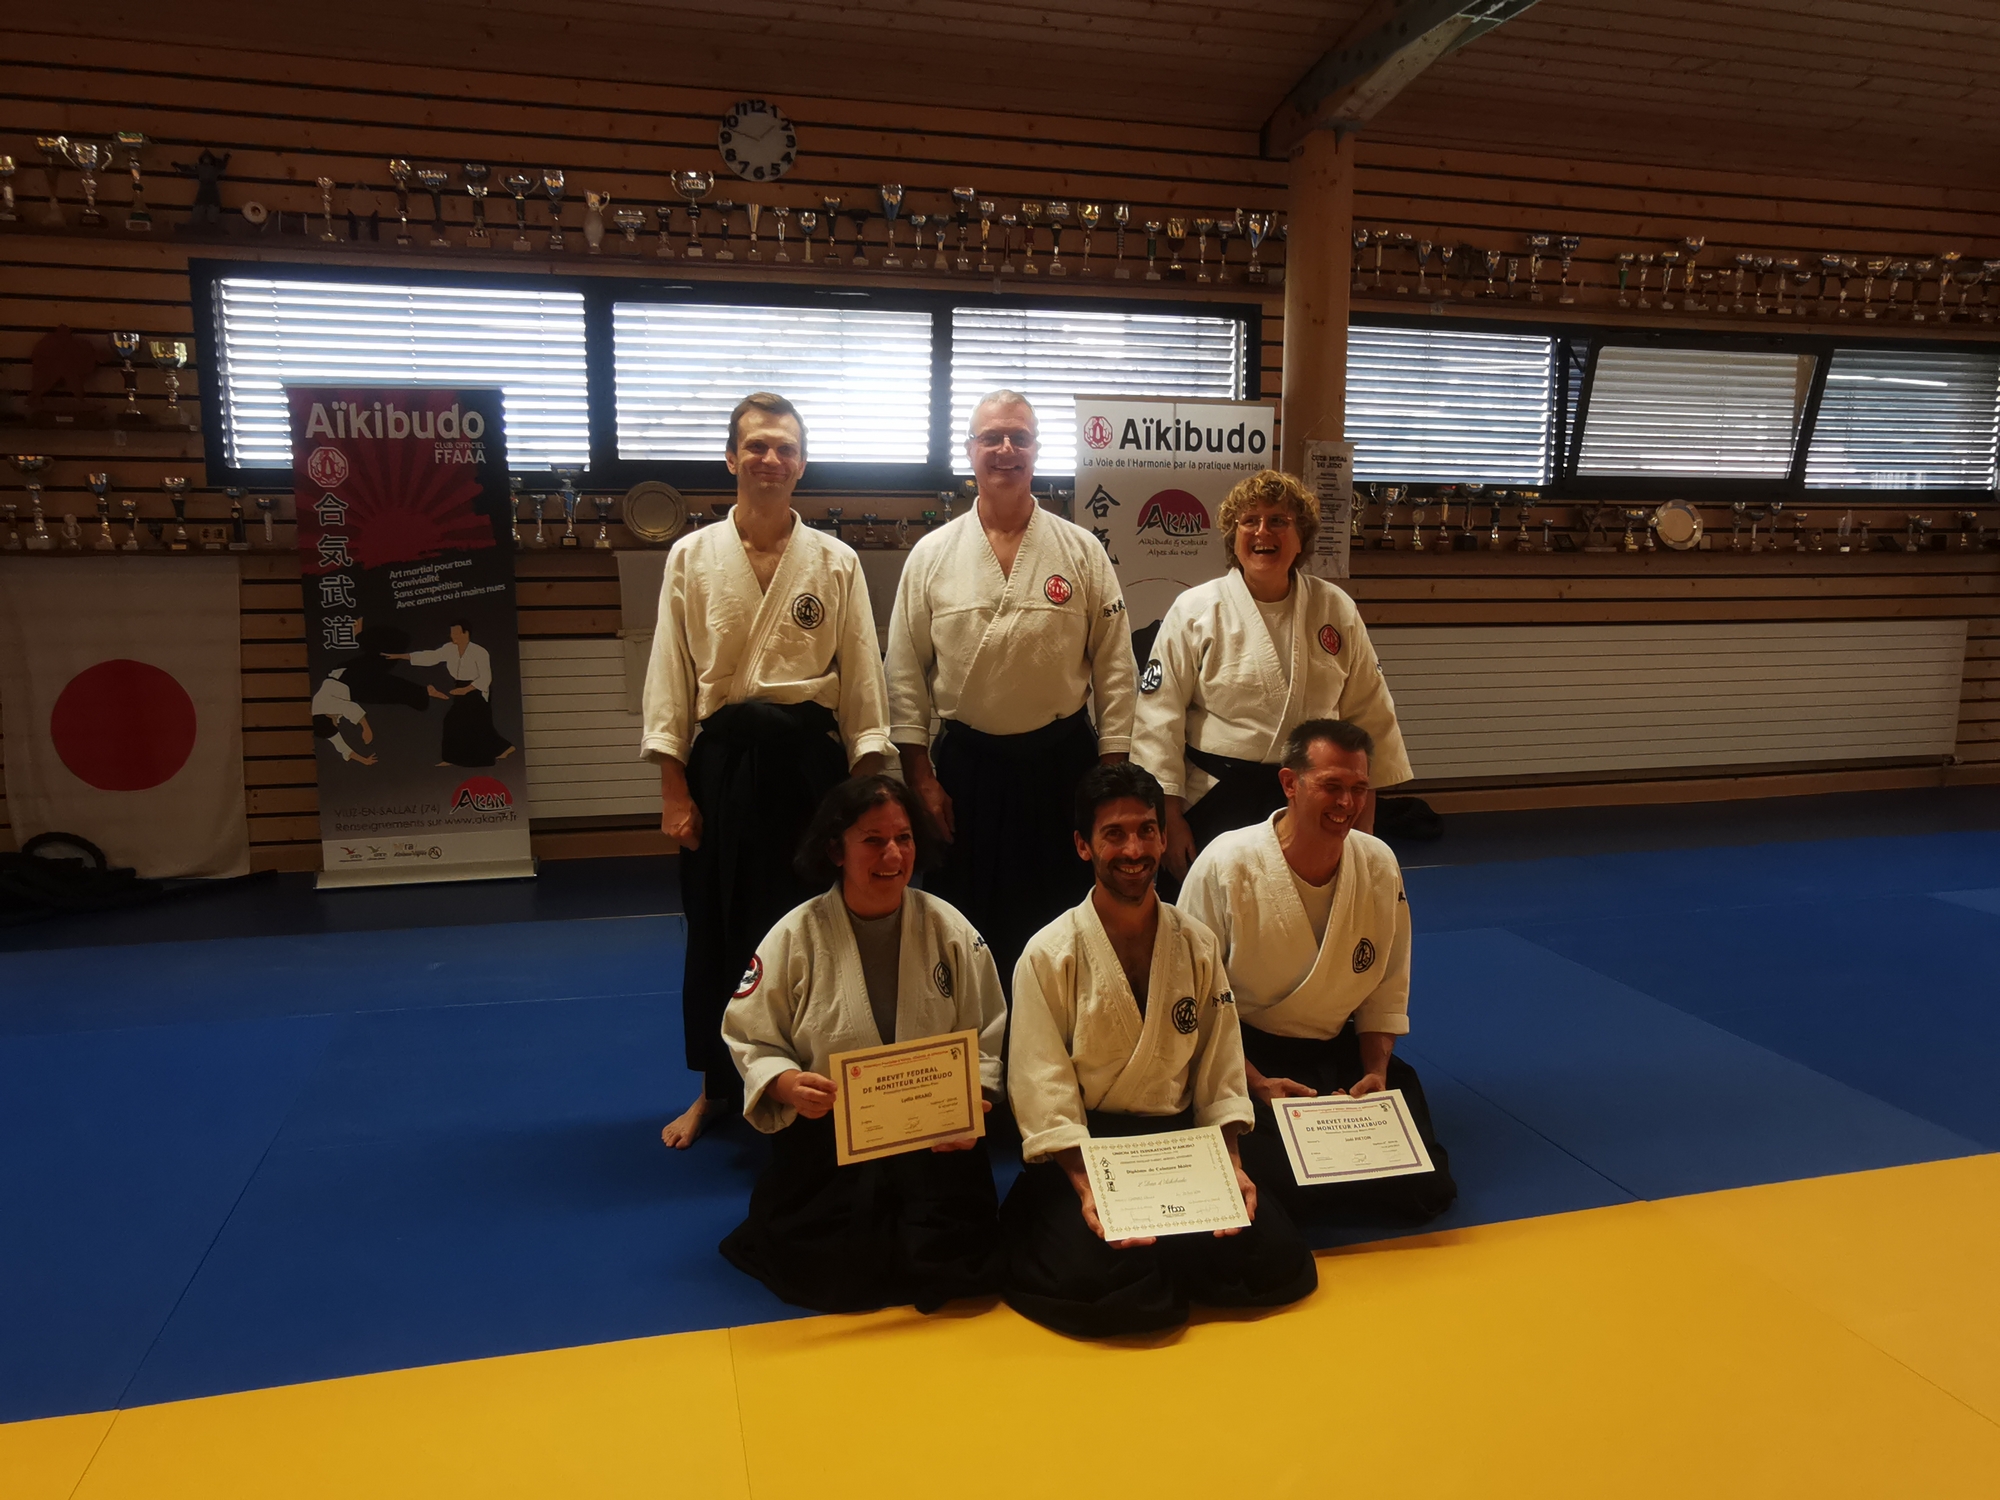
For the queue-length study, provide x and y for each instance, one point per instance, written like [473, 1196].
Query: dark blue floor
[239, 1162]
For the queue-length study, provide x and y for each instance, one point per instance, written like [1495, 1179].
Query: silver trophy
[1121, 215]
[1358, 239]
[601, 504]
[171, 355]
[1538, 249]
[594, 205]
[266, 505]
[552, 184]
[830, 207]
[1871, 268]
[1947, 266]
[1007, 223]
[1693, 244]
[401, 173]
[55, 156]
[1176, 239]
[963, 199]
[940, 264]
[88, 157]
[1087, 214]
[325, 186]
[1058, 219]
[7, 212]
[629, 222]
[808, 222]
[1203, 228]
[1763, 266]
[1568, 244]
[917, 225]
[1744, 261]
[1031, 214]
[125, 345]
[891, 194]
[434, 181]
[986, 207]
[1492, 259]
[100, 486]
[664, 216]
[1226, 228]
[137, 217]
[177, 496]
[1645, 259]
[475, 176]
[781, 215]
[566, 477]
[1256, 228]
[1424, 248]
[1152, 249]
[1788, 270]
[1669, 261]
[724, 207]
[751, 213]
[514, 509]
[520, 184]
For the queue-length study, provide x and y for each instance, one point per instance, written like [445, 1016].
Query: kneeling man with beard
[1124, 1025]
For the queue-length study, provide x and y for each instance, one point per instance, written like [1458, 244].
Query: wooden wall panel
[288, 119]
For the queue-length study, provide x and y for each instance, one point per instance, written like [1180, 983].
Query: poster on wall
[1151, 478]
[1330, 476]
[407, 556]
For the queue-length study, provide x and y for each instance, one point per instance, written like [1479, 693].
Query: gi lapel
[1266, 667]
[1006, 609]
[853, 1021]
[1294, 933]
[1151, 1038]
[777, 599]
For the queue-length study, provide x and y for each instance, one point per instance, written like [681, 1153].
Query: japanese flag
[121, 698]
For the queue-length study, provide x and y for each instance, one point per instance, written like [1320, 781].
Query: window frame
[606, 469]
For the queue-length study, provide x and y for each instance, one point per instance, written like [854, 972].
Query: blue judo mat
[246, 1162]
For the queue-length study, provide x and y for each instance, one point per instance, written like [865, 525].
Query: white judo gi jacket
[809, 637]
[1286, 984]
[1214, 681]
[1006, 653]
[1079, 1042]
[804, 997]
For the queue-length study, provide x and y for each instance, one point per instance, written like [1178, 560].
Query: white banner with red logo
[1151, 477]
[406, 553]
[121, 686]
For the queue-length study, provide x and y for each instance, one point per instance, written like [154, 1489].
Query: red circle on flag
[123, 726]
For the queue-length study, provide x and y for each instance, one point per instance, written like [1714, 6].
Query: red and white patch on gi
[752, 977]
[1329, 640]
[1057, 590]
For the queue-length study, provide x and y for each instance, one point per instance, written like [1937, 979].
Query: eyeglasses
[993, 441]
[1276, 525]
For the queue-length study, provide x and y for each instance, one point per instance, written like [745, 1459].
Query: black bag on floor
[61, 874]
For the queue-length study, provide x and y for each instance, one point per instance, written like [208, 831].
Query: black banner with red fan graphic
[406, 549]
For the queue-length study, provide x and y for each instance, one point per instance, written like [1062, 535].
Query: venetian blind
[529, 343]
[860, 377]
[1436, 405]
[1713, 413]
[1907, 419]
[1048, 354]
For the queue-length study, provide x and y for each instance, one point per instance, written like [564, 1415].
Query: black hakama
[921, 1228]
[1245, 792]
[1328, 1066]
[758, 772]
[1065, 1277]
[469, 738]
[1012, 865]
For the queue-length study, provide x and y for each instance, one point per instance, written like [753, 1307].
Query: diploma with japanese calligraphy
[1177, 1182]
[1334, 1138]
[906, 1096]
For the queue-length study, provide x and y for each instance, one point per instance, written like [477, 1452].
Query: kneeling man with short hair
[869, 962]
[1123, 1025]
[1315, 930]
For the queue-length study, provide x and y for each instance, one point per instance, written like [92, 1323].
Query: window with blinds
[860, 377]
[1706, 413]
[527, 342]
[1907, 419]
[1049, 354]
[1439, 406]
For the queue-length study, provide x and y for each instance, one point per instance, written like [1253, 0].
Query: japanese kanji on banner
[1151, 476]
[406, 547]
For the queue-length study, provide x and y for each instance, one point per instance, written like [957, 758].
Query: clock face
[757, 141]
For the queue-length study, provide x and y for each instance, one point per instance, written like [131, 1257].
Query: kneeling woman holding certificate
[868, 1031]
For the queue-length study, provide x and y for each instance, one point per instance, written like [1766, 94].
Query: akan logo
[1175, 512]
[1097, 433]
[481, 794]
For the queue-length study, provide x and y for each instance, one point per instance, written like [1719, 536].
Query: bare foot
[507, 752]
[681, 1132]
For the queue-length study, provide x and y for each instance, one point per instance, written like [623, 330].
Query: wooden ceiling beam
[1390, 45]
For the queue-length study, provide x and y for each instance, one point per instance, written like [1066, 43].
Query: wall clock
[757, 141]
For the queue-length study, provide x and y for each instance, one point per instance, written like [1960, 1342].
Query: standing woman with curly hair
[1243, 659]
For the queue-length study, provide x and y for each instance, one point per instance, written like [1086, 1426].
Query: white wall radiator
[582, 738]
[1503, 701]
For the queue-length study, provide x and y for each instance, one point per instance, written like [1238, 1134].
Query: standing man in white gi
[1241, 659]
[1009, 632]
[765, 687]
[1123, 1024]
[1315, 930]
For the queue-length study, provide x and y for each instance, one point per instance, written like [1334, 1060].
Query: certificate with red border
[1334, 1138]
[906, 1096]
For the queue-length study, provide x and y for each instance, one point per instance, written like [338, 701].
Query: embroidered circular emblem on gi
[1057, 589]
[1329, 640]
[941, 977]
[1185, 1013]
[1150, 679]
[752, 977]
[1364, 956]
[808, 611]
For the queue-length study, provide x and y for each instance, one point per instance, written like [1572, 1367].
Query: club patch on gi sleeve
[752, 977]
[1153, 675]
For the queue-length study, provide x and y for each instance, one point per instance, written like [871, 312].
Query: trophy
[72, 535]
[940, 264]
[1007, 223]
[1446, 254]
[1152, 249]
[514, 509]
[136, 217]
[1871, 269]
[1031, 214]
[475, 176]
[693, 187]
[594, 205]
[566, 476]
[781, 215]
[1625, 259]
[131, 542]
[859, 218]
[7, 213]
[1203, 228]
[1058, 218]
[630, 221]
[400, 173]
[88, 156]
[171, 355]
[1176, 237]
[808, 222]
[1645, 259]
[1693, 244]
[1391, 496]
[325, 186]
[917, 223]
[1256, 227]
[1424, 248]
[830, 208]
[1362, 238]
[239, 541]
[1568, 244]
[1988, 270]
[266, 504]
[602, 507]
[1669, 260]
[1359, 240]
[13, 541]
[1087, 214]
[1918, 271]
[1846, 265]
[55, 153]
[541, 537]
[1762, 267]
[963, 200]
[176, 489]
[434, 181]
[520, 184]
[891, 194]
[1947, 267]
[724, 207]
[126, 345]
[1492, 261]
[1121, 216]
[552, 184]
[1513, 275]
[100, 486]
[1538, 248]
[1224, 228]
